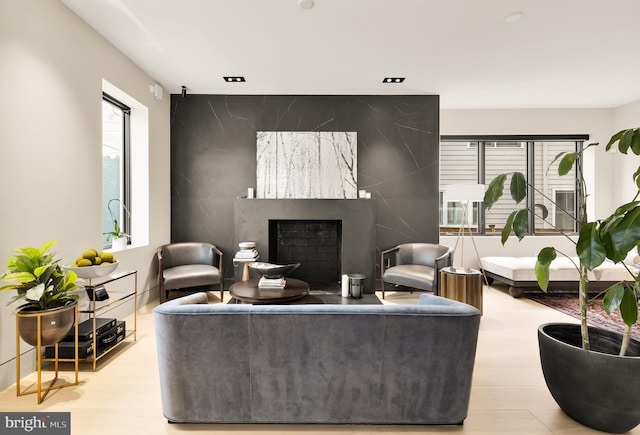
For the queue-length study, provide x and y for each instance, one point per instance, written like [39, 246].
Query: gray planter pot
[597, 388]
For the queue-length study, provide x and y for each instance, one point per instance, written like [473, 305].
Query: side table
[245, 265]
[462, 284]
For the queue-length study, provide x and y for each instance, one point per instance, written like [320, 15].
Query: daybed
[364, 364]
[519, 274]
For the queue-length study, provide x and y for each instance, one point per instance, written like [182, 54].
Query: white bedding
[561, 269]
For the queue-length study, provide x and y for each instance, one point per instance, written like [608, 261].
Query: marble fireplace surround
[358, 216]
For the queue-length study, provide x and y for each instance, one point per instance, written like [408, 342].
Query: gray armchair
[414, 265]
[182, 266]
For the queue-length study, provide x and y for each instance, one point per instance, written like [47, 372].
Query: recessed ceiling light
[234, 79]
[306, 4]
[393, 80]
[512, 18]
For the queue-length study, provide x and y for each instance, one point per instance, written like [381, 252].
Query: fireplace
[316, 244]
[357, 218]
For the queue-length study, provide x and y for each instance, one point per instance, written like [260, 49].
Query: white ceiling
[561, 54]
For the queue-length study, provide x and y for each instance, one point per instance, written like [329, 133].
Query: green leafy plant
[610, 238]
[117, 229]
[38, 278]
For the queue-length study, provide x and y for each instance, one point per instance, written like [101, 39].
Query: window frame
[529, 142]
[125, 218]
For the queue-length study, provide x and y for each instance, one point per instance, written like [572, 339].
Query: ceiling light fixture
[306, 4]
[236, 79]
[393, 80]
[512, 18]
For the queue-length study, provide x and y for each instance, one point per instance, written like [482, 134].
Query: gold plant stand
[39, 390]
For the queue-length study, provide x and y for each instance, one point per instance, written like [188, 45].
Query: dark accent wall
[213, 159]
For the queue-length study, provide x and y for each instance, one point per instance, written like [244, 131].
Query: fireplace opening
[315, 244]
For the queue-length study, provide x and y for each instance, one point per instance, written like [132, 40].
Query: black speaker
[98, 291]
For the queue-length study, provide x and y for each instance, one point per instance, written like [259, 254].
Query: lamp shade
[464, 192]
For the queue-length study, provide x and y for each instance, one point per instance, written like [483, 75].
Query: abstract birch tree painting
[306, 164]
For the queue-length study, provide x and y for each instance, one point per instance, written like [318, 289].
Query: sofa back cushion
[420, 253]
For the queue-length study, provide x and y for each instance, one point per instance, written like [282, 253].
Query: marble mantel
[358, 218]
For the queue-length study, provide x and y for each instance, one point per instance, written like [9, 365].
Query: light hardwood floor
[508, 396]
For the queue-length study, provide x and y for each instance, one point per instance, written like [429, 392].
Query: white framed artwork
[306, 164]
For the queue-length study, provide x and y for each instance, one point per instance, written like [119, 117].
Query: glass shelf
[93, 307]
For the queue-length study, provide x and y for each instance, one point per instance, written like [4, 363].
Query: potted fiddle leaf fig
[45, 289]
[592, 373]
[117, 236]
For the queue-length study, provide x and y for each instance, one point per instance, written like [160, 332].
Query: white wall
[627, 116]
[599, 166]
[51, 69]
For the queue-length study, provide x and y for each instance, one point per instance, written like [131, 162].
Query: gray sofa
[365, 364]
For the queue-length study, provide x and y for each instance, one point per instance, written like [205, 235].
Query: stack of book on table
[272, 283]
[247, 252]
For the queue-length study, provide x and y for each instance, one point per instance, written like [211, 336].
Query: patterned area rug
[568, 303]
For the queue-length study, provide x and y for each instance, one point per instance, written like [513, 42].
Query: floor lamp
[465, 194]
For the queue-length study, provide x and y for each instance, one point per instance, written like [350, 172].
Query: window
[563, 210]
[451, 214]
[460, 159]
[115, 165]
[498, 160]
[472, 160]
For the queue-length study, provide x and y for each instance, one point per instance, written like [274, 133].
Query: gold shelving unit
[93, 308]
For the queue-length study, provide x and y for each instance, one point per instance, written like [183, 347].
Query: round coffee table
[248, 291]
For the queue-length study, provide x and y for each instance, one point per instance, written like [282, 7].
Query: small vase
[119, 244]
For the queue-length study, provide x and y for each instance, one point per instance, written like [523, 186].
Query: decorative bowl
[90, 272]
[269, 270]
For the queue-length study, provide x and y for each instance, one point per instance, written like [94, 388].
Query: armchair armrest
[382, 268]
[218, 252]
[160, 269]
[438, 264]
[441, 261]
[384, 253]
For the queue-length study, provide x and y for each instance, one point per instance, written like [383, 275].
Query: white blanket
[561, 269]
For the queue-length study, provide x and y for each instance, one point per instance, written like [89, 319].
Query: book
[247, 254]
[272, 283]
